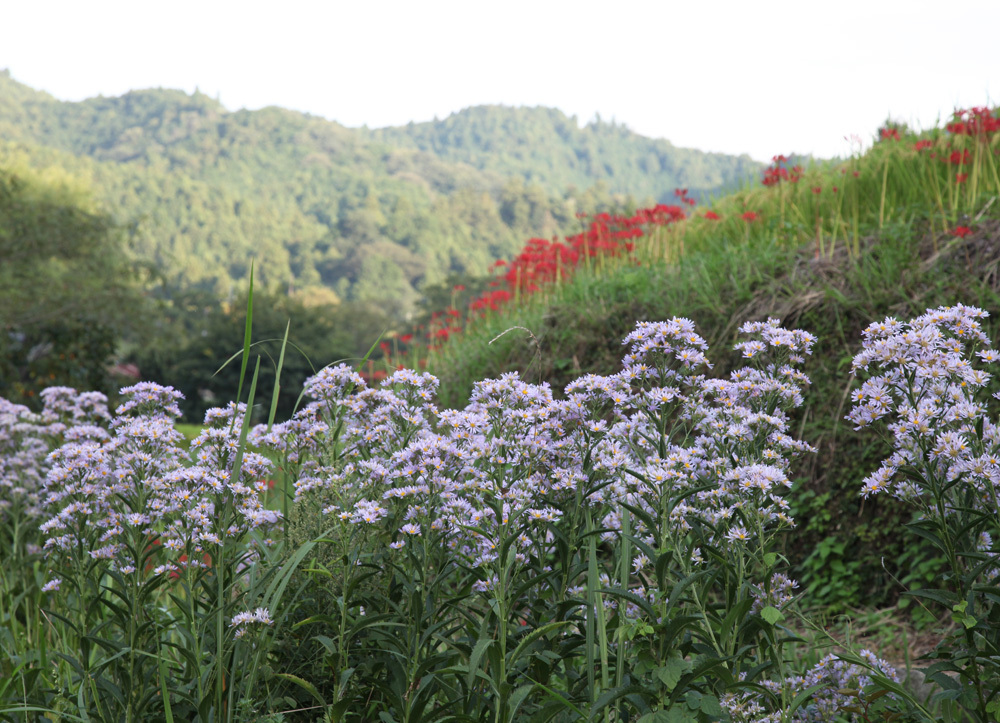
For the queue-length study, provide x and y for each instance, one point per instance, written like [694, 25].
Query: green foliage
[325, 210]
[195, 335]
[543, 146]
[68, 292]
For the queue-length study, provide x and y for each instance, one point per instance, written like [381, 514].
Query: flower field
[606, 555]
[606, 550]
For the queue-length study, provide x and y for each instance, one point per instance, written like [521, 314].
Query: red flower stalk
[750, 216]
[961, 231]
[712, 216]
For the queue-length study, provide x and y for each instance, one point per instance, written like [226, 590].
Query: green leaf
[771, 614]
[939, 596]
[670, 673]
[168, 713]
[533, 636]
[277, 378]
[338, 709]
[246, 341]
[477, 653]
[304, 684]
[710, 706]
[517, 698]
[802, 697]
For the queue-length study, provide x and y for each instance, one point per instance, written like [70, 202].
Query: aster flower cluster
[515, 460]
[679, 430]
[245, 621]
[841, 685]
[107, 498]
[27, 438]
[923, 382]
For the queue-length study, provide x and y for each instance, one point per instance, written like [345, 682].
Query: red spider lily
[961, 231]
[835, 189]
[778, 172]
[543, 262]
[961, 177]
[888, 133]
[712, 216]
[459, 287]
[977, 122]
[750, 216]
[921, 145]
[957, 158]
[817, 190]
[406, 338]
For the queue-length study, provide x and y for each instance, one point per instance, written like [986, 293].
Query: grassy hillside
[913, 223]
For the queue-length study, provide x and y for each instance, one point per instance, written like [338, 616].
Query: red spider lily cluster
[779, 171]
[978, 122]
[961, 231]
[544, 262]
[887, 134]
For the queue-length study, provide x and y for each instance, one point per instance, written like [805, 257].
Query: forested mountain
[547, 147]
[332, 213]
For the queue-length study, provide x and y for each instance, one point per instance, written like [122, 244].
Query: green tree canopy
[67, 289]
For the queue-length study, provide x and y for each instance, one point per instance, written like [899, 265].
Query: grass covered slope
[909, 225]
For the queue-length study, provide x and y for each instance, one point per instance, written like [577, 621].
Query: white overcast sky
[739, 76]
